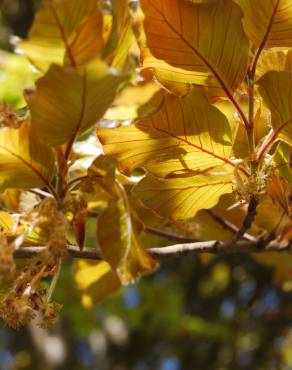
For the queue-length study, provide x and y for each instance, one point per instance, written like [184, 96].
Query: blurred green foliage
[15, 74]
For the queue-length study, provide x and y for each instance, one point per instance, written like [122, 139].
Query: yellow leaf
[268, 24]
[96, 280]
[121, 37]
[134, 99]
[283, 161]
[281, 262]
[276, 90]
[186, 43]
[70, 100]
[182, 198]
[274, 60]
[64, 30]
[25, 162]
[7, 222]
[185, 136]
[116, 232]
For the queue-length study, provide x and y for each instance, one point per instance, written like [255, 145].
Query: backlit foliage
[186, 106]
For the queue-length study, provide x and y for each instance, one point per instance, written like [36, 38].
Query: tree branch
[211, 246]
[248, 220]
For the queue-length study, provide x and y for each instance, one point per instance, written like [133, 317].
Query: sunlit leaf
[268, 23]
[276, 90]
[274, 60]
[283, 160]
[69, 100]
[121, 37]
[182, 198]
[69, 29]
[25, 162]
[185, 135]
[135, 101]
[7, 222]
[116, 232]
[96, 281]
[186, 43]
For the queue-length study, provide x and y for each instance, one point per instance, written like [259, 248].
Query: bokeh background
[207, 313]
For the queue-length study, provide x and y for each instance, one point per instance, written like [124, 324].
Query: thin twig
[248, 220]
[54, 280]
[169, 236]
[228, 225]
[76, 179]
[41, 193]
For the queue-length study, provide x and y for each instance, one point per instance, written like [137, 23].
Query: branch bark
[211, 246]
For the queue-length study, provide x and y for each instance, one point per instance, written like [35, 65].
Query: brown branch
[211, 246]
[248, 220]
[228, 225]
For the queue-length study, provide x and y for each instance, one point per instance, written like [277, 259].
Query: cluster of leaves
[212, 132]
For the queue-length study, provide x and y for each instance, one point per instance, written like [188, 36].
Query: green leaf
[70, 100]
[25, 162]
[182, 198]
[185, 136]
[16, 74]
[67, 31]
[185, 43]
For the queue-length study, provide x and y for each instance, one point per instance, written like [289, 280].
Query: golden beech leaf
[283, 161]
[185, 136]
[136, 100]
[70, 100]
[120, 246]
[116, 232]
[268, 24]
[276, 90]
[279, 191]
[274, 60]
[185, 43]
[121, 37]
[96, 281]
[25, 162]
[182, 198]
[67, 31]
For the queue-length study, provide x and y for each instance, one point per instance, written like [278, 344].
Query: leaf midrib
[225, 160]
[209, 66]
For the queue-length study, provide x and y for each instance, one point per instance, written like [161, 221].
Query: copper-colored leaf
[185, 136]
[268, 23]
[64, 30]
[70, 100]
[116, 232]
[276, 89]
[25, 162]
[186, 43]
